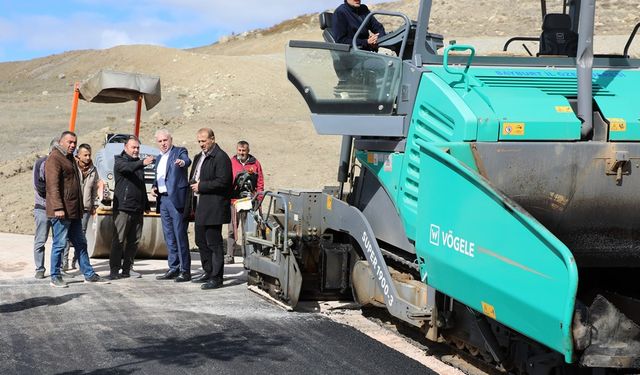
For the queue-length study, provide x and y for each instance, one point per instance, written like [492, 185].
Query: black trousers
[211, 247]
[126, 235]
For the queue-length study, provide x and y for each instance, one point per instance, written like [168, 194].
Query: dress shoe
[130, 273]
[169, 275]
[211, 284]
[113, 277]
[203, 278]
[184, 276]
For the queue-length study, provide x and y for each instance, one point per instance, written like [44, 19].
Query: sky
[36, 28]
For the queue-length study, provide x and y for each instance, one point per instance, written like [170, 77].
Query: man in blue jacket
[129, 205]
[171, 188]
[347, 18]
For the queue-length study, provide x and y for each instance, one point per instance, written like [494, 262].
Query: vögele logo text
[451, 241]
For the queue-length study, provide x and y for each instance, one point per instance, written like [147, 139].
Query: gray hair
[53, 143]
[163, 132]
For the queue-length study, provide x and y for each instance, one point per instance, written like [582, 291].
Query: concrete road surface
[145, 326]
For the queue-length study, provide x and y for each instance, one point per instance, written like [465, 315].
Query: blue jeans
[69, 229]
[85, 220]
[40, 237]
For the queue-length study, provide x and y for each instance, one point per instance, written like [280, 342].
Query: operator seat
[557, 38]
[325, 26]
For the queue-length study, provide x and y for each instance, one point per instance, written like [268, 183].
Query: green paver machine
[488, 199]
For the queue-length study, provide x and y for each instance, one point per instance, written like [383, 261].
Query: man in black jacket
[129, 204]
[211, 183]
[347, 18]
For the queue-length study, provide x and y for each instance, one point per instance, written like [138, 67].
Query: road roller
[109, 86]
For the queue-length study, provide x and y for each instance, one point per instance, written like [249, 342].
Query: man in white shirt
[171, 188]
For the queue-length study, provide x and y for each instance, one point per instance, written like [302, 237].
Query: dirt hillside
[237, 86]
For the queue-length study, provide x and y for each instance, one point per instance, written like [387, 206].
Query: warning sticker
[370, 157]
[513, 128]
[388, 165]
[488, 310]
[617, 125]
[329, 202]
[564, 109]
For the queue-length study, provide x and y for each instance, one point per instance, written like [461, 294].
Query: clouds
[46, 27]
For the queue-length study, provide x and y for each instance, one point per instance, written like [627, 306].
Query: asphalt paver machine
[109, 86]
[490, 200]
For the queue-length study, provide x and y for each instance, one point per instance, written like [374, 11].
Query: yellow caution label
[488, 310]
[513, 128]
[329, 202]
[564, 109]
[617, 125]
[370, 157]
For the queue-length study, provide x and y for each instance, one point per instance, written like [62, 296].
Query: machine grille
[565, 86]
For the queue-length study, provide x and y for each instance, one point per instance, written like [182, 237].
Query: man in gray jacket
[90, 184]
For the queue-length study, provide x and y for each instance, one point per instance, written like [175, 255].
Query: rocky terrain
[237, 86]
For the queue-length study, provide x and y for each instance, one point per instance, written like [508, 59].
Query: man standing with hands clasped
[171, 188]
[210, 180]
[130, 202]
[65, 209]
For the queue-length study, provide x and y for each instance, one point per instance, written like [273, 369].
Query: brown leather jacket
[63, 185]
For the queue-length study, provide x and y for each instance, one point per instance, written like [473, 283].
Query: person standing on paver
[130, 202]
[64, 208]
[210, 180]
[171, 188]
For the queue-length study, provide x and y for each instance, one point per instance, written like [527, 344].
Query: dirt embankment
[238, 87]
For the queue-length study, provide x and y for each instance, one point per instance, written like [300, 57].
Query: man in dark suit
[171, 188]
[211, 183]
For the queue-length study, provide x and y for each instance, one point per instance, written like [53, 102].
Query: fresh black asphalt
[145, 326]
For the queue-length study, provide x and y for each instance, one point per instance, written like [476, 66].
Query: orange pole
[74, 107]
[138, 112]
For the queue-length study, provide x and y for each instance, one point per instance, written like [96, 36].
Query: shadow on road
[30, 303]
[222, 346]
[230, 340]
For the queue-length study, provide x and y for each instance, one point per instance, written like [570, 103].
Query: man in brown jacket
[65, 210]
